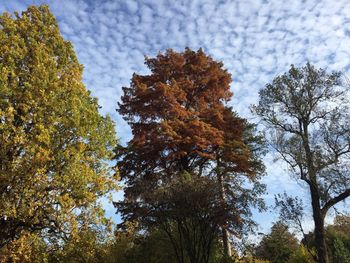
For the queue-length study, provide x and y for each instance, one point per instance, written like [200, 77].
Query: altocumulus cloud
[255, 39]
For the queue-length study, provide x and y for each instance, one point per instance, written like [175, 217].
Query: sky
[255, 39]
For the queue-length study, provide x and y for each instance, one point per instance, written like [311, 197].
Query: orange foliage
[179, 118]
[183, 128]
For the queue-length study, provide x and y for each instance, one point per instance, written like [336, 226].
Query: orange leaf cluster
[179, 118]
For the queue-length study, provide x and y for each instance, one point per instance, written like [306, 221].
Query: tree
[291, 210]
[338, 244]
[86, 246]
[278, 246]
[307, 110]
[131, 246]
[337, 239]
[134, 245]
[342, 224]
[292, 213]
[180, 123]
[54, 143]
[189, 210]
[302, 255]
[28, 248]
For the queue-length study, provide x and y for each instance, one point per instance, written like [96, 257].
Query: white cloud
[256, 40]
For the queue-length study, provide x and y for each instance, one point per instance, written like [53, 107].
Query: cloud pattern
[255, 39]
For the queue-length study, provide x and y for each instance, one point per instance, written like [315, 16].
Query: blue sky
[255, 39]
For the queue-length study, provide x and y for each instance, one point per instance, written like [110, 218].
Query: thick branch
[335, 200]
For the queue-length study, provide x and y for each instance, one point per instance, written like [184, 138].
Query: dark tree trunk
[226, 243]
[318, 216]
[317, 213]
[225, 236]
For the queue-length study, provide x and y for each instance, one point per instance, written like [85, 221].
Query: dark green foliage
[189, 210]
[135, 247]
[278, 246]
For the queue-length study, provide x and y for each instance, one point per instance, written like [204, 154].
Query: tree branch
[335, 200]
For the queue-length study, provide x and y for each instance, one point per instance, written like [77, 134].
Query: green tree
[337, 239]
[307, 110]
[55, 145]
[303, 255]
[134, 246]
[339, 246]
[189, 211]
[278, 245]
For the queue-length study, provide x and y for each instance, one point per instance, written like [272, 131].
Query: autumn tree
[86, 246]
[307, 111]
[181, 123]
[28, 248]
[54, 143]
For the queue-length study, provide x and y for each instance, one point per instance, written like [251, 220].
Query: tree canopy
[181, 124]
[178, 116]
[278, 245]
[54, 143]
[307, 109]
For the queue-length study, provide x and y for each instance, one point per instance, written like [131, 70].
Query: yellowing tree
[28, 248]
[54, 144]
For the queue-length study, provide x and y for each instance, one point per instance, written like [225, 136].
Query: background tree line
[191, 172]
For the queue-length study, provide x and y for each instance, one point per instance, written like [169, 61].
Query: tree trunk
[226, 243]
[319, 232]
[225, 234]
[317, 213]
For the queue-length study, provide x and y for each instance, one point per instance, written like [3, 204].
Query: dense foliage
[54, 143]
[181, 124]
[277, 246]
